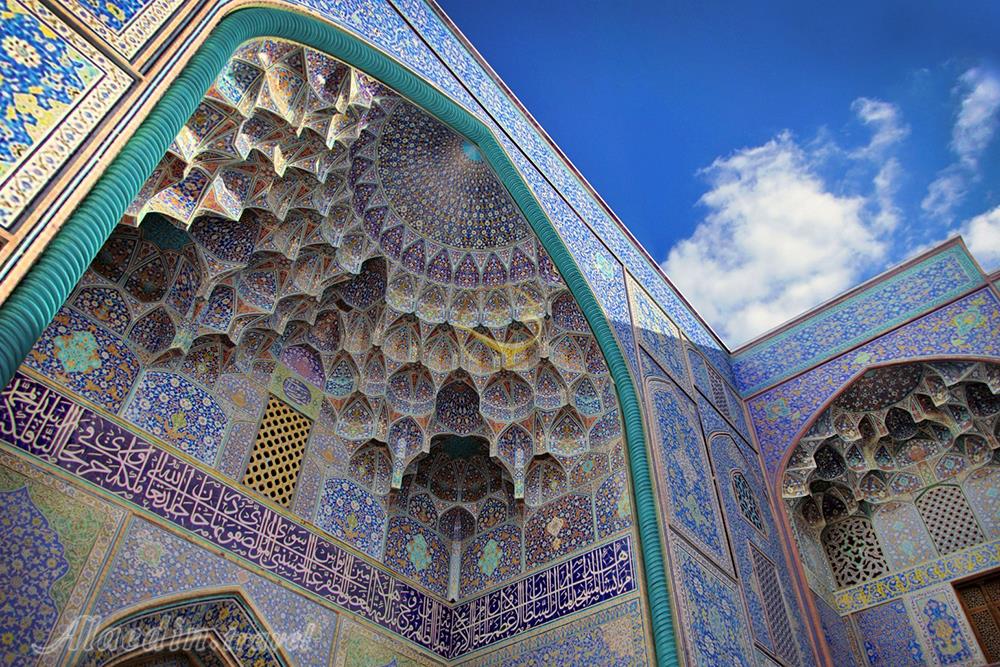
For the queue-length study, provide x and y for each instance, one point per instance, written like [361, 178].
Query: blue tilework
[947, 637]
[969, 326]
[612, 637]
[728, 457]
[713, 622]
[888, 637]
[173, 408]
[86, 359]
[33, 560]
[837, 633]
[683, 473]
[855, 320]
[153, 563]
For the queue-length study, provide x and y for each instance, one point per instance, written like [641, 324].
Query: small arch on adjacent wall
[873, 483]
[220, 628]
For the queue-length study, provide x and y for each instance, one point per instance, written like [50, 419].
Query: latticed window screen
[277, 453]
[747, 501]
[949, 519]
[719, 392]
[782, 638]
[853, 551]
[981, 601]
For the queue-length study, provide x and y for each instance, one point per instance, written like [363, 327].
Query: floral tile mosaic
[152, 563]
[838, 635]
[612, 636]
[889, 637]
[57, 89]
[360, 646]
[710, 610]
[968, 326]
[173, 408]
[764, 577]
[72, 532]
[86, 359]
[863, 316]
[126, 25]
[979, 558]
[683, 473]
[946, 635]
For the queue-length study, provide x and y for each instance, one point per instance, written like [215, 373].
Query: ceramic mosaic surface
[875, 310]
[889, 637]
[760, 562]
[180, 412]
[152, 563]
[226, 617]
[684, 472]
[613, 636]
[126, 25]
[711, 611]
[359, 645]
[657, 334]
[57, 88]
[46, 425]
[45, 518]
[86, 359]
[943, 628]
[838, 635]
[969, 326]
[979, 558]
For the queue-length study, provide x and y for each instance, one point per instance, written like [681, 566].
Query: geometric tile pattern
[277, 454]
[126, 25]
[759, 557]
[774, 606]
[949, 518]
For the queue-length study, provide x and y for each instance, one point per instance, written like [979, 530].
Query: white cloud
[944, 194]
[982, 235]
[975, 125]
[776, 241]
[977, 117]
[886, 123]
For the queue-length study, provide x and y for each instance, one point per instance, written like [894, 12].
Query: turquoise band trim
[35, 301]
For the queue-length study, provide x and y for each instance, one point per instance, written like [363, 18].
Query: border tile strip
[857, 319]
[979, 558]
[51, 427]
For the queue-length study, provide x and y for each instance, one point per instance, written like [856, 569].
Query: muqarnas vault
[317, 351]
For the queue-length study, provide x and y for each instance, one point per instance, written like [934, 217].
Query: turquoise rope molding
[40, 294]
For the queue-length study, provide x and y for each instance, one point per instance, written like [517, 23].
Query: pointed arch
[35, 300]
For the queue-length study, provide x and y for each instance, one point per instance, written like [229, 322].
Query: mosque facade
[317, 351]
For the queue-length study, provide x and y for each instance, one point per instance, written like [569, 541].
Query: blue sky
[769, 155]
